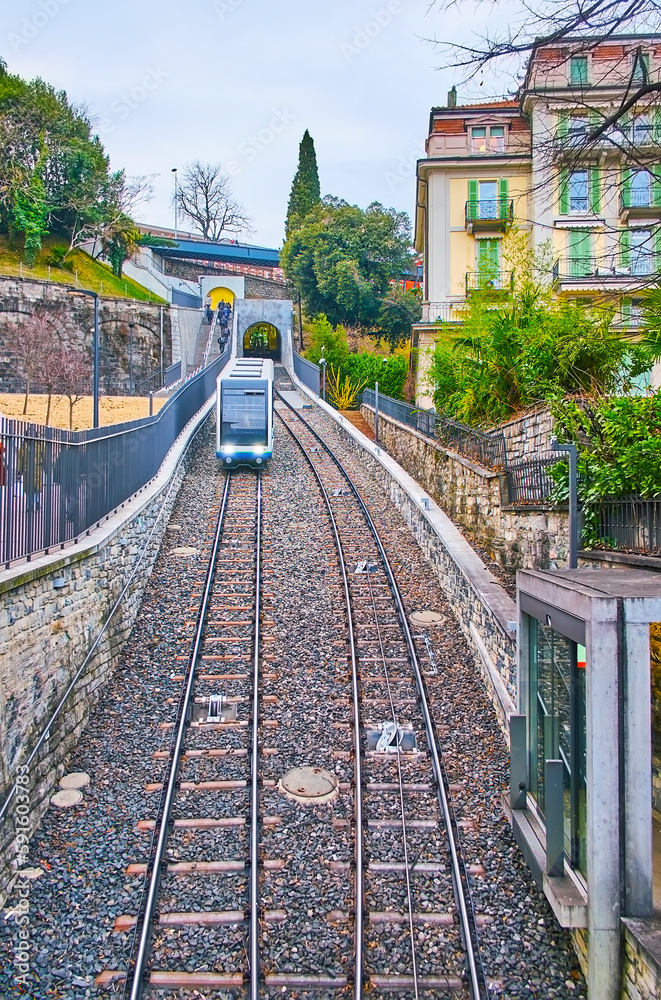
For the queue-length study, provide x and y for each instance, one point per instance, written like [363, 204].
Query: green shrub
[57, 258]
[389, 372]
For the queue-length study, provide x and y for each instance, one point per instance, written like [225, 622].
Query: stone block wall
[47, 632]
[641, 978]
[528, 436]
[73, 319]
[256, 288]
[521, 538]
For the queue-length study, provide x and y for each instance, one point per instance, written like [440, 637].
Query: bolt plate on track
[391, 739]
[309, 785]
[228, 714]
[365, 567]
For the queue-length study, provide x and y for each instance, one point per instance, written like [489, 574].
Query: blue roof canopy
[231, 253]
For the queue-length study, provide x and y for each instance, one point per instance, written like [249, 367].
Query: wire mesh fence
[56, 484]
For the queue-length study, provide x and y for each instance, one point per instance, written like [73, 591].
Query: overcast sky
[239, 81]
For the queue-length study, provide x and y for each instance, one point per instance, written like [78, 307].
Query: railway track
[404, 815]
[206, 917]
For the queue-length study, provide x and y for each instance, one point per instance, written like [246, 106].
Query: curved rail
[467, 921]
[359, 851]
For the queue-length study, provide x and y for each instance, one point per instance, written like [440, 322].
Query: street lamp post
[174, 171]
[95, 296]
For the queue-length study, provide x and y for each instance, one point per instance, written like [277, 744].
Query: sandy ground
[112, 409]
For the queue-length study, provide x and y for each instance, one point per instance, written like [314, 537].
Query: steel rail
[468, 923]
[254, 765]
[136, 974]
[359, 854]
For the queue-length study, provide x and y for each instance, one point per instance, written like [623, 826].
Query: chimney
[452, 98]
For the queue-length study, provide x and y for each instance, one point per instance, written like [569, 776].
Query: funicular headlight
[227, 449]
[259, 449]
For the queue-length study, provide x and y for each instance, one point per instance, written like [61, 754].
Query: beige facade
[533, 164]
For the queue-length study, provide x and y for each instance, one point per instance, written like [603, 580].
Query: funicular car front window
[244, 413]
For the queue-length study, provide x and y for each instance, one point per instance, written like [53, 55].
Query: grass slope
[85, 273]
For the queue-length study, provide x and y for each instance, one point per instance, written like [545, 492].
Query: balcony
[489, 280]
[605, 272]
[638, 205]
[489, 215]
[442, 312]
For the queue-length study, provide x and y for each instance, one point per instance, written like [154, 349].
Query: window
[577, 130]
[488, 200]
[488, 139]
[636, 312]
[558, 729]
[578, 191]
[641, 130]
[578, 71]
[640, 189]
[243, 416]
[641, 67]
[640, 243]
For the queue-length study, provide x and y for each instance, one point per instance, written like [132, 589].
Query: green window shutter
[580, 252]
[656, 184]
[626, 187]
[472, 200]
[595, 190]
[494, 252]
[625, 250]
[657, 251]
[503, 206]
[625, 311]
[563, 194]
[657, 124]
[563, 125]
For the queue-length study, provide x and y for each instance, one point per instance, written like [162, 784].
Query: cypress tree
[305, 189]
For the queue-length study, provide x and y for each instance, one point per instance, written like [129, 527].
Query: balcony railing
[489, 280]
[639, 203]
[488, 214]
[640, 266]
[442, 312]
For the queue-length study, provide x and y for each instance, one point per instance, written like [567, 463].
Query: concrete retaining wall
[52, 609]
[517, 538]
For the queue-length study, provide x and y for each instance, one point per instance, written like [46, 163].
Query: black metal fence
[529, 482]
[487, 448]
[56, 484]
[307, 372]
[630, 524]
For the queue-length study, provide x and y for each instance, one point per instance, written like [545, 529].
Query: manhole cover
[76, 779]
[427, 618]
[174, 527]
[31, 873]
[185, 550]
[313, 785]
[66, 798]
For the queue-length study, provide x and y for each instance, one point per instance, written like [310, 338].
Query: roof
[233, 253]
[510, 103]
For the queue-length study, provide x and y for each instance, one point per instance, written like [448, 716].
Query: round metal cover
[184, 550]
[312, 785]
[427, 618]
[75, 779]
[66, 798]
[31, 873]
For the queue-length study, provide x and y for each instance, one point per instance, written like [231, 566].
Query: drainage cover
[185, 550]
[312, 785]
[427, 618]
[66, 798]
[75, 779]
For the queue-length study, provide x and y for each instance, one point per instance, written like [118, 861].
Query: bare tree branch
[204, 197]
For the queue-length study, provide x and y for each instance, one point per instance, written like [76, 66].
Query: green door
[488, 263]
[580, 253]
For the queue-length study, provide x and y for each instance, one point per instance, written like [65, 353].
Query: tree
[305, 188]
[400, 309]
[204, 197]
[74, 372]
[30, 342]
[342, 260]
[332, 342]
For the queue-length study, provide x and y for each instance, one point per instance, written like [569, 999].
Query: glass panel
[479, 140]
[243, 416]
[642, 130]
[488, 201]
[557, 728]
[578, 72]
[578, 191]
[497, 139]
[641, 251]
[578, 126]
[640, 189]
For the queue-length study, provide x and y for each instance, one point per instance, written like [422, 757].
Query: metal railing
[308, 372]
[489, 210]
[641, 264]
[55, 484]
[442, 312]
[529, 482]
[489, 279]
[485, 447]
[630, 524]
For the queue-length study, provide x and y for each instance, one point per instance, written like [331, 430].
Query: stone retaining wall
[256, 288]
[51, 612]
[529, 435]
[73, 319]
[521, 538]
[641, 978]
